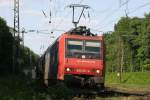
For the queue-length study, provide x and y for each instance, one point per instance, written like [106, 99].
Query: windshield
[75, 45]
[92, 46]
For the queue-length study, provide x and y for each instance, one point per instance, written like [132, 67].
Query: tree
[6, 42]
[6, 51]
[128, 46]
[143, 53]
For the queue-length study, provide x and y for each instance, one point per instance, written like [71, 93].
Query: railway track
[83, 93]
[105, 92]
[108, 92]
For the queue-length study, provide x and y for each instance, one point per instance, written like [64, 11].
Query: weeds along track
[85, 92]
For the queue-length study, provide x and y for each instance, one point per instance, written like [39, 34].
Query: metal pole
[73, 15]
[16, 34]
[81, 14]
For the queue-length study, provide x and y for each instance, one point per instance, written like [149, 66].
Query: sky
[35, 15]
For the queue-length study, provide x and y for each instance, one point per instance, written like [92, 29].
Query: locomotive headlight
[98, 71]
[67, 69]
[83, 56]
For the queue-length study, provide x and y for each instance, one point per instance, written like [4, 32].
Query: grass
[16, 88]
[19, 88]
[131, 80]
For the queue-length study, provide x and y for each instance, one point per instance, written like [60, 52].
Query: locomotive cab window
[89, 48]
[92, 49]
[92, 46]
[74, 45]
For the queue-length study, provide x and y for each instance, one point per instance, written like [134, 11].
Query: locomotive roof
[81, 30]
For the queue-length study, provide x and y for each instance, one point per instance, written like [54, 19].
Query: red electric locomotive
[76, 56]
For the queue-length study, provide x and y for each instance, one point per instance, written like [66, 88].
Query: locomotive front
[84, 58]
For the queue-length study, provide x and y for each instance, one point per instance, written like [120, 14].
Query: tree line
[128, 46]
[7, 41]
